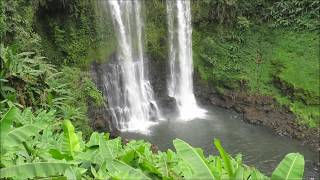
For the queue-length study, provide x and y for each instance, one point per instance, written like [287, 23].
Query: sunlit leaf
[291, 167]
[193, 159]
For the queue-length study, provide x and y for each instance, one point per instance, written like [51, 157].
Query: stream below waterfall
[259, 146]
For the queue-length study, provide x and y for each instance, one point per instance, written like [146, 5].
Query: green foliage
[300, 93]
[243, 23]
[194, 160]
[225, 157]
[16, 25]
[294, 56]
[242, 45]
[34, 170]
[70, 144]
[22, 134]
[227, 12]
[23, 76]
[67, 32]
[291, 167]
[7, 120]
[70, 92]
[121, 170]
[104, 158]
[36, 143]
[156, 29]
[27, 80]
[76, 32]
[298, 13]
[262, 60]
[91, 90]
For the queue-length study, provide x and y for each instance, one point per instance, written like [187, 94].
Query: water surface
[259, 146]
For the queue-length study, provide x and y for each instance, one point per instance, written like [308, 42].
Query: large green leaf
[31, 170]
[71, 142]
[239, 173]
[193, 159]
[102, 173]
[256, 175]
[22, 134]
[290, 168]
[163, 164]
[109, 149]
[105, 151]
[7, 120]
[121, 170]
[94, 139]
[225, 157]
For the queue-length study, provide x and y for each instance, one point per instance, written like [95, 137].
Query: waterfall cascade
[180, 83]
[130, 95]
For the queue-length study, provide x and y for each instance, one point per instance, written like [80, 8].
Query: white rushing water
[180, 83]
[130, 95]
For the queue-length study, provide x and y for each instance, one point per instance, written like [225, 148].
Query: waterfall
[130, 95]
[180, 83]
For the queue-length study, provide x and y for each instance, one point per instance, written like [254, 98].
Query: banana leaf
[32, 170]
[291, 167]
[193, 159]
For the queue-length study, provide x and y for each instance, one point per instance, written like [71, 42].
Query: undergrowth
[28, 81]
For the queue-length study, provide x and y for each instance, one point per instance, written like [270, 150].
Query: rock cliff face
[100, 117]
[158, 75]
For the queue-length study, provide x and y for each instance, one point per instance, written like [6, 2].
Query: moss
[156, 30]
[78, 37]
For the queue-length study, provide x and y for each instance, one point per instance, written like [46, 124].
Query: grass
[298, 54]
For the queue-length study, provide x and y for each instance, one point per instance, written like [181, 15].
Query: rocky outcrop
[158, 73]
[100, 118]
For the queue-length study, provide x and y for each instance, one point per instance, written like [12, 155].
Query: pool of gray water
[260, 146]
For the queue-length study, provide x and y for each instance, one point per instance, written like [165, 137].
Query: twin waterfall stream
[159, 105]
[130, 96]
[180, 83]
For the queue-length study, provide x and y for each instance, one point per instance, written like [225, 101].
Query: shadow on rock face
[100, 118]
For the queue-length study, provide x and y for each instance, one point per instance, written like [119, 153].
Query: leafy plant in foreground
[199, 168]
[291, 167]
[32, 149]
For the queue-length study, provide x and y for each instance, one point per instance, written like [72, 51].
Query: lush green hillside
[262, 47]
[39, 73]
[281, 63]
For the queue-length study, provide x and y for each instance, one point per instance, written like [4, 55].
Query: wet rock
[100, 118]
[125, 141]
[154, 148]
[115, 133]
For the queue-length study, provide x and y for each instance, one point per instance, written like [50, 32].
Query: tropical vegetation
[37, 145]
[45, 85]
